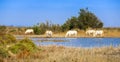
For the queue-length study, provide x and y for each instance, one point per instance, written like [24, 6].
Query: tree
[70, 24]
[88, 20]
[36, 30]
[56, 28]
[40, 28]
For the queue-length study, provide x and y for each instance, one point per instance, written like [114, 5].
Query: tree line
[85, 20]
[40, 28]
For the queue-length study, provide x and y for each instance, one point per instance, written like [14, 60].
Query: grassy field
[63, 54]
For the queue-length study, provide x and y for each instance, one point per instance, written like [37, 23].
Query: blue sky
[31, 12]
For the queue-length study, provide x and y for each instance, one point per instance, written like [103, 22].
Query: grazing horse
[49, 33]
[29, 31]
[71, 33]
[90, 32]
[98, 33]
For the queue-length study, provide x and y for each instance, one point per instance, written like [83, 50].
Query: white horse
[98, 33]
[49, 33]
[90, 32]
[28, 31]
[71, 33]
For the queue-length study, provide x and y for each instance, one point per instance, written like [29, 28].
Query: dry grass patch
[64, 54]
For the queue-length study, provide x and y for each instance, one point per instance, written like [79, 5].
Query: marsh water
[77, 42]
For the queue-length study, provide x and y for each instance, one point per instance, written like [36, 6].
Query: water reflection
[78, 42]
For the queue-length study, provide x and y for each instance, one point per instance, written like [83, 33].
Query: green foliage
[7, 39]
[23, 45]
[28, 43]
[40, 28]
[56, 28]
[13, 30]
[36, 30]
[17, 48]
[3, 52]
[86, 19]
[9, 43]
[43, 28]
[10, 38]
[64, 27]
[2, 30]
[70, 24]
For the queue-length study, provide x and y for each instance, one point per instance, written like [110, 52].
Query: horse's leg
[94, 34]
[66, 35]
[76, 35]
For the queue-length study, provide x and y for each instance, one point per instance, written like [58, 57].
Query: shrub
[10, 38]
[39, 30]
[2, 30]
[7, 39]
[3, 52]
[36, 30]
[17, 48]
[23, 45]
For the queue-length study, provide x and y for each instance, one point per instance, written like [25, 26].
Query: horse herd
[71, 33]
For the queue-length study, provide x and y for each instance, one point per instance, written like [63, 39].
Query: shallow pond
[78, 42]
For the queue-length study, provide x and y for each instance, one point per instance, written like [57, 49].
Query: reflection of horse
[71, 33]
[90, 32]
[28, 31]
[49, 33]
[98, 33]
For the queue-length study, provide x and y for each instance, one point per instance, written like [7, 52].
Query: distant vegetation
[12, 30]
[86, 19]
[42, 27]
[83, 21]
[2, 30]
